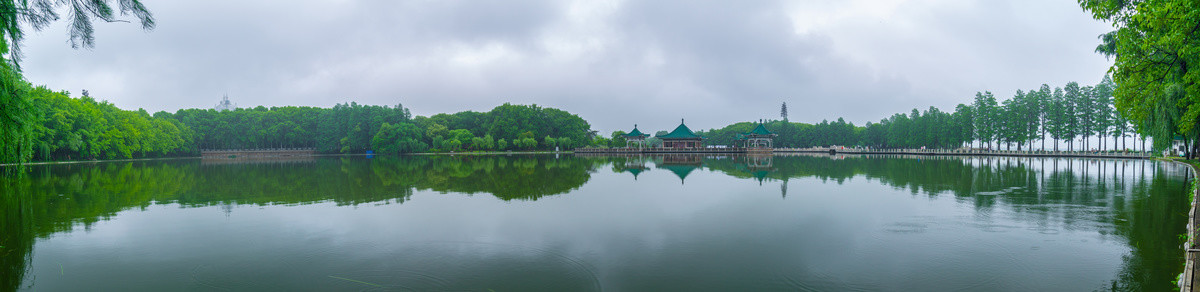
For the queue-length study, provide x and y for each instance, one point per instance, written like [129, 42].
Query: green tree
[17, 115]
[453, 144]
[1154, 45]
[1045, 106]
[964, 120]
[1104, 114]
[398, 138]
[463, 136]
[985, 118]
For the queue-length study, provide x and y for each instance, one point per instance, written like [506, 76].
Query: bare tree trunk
[1192, 151]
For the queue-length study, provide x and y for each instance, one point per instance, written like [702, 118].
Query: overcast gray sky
[614, 63]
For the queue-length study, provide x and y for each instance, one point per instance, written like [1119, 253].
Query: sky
[613, 63]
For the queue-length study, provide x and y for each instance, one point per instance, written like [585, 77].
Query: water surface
[566, 223]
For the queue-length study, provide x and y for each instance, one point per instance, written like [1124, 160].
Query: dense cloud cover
[615, 63]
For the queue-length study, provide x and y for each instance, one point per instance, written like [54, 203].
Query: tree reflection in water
[1141, 202]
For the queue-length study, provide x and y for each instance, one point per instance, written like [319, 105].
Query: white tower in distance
[224, 105]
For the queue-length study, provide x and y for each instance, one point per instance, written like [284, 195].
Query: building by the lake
[635, 137]
[681, 138]
[760, 137]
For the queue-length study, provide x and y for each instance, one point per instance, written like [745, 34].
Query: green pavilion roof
[760, 130]
[681, 132]
[635, 132]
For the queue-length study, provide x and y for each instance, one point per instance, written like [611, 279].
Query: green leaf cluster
[1156, 53]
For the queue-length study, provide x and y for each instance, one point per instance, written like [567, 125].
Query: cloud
[615, 63]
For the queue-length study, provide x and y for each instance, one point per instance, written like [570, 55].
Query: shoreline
[1188, 280]
[929, 152]
[314, 155]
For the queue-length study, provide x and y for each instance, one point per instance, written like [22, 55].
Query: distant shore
[314, 155]
[1081, 154]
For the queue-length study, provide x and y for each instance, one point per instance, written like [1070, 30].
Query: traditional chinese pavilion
[635, 137]
[682, 138]
[760, 137]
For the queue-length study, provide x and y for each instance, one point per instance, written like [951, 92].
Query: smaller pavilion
[760, 137]
[635, 137]
[682, 138]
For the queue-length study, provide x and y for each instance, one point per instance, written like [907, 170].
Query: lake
[571, 223]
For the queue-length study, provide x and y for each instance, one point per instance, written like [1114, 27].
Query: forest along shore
[252, 153]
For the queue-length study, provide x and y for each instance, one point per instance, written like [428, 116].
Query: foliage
[82, 128]
[353, 128]
[1156, 52]
[38, 14]
[398, 138]
[1039, 114]
[17, 116]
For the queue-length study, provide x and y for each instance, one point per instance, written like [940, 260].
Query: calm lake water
[567, 223]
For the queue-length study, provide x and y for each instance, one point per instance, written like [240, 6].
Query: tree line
[1041, 118]
[83, 128]
[60, 127]
[65, 128]
[355, 128]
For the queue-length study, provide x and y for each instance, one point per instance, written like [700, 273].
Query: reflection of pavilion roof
[760, 175]
[680, 170]
[681, 132]
[636, 171]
